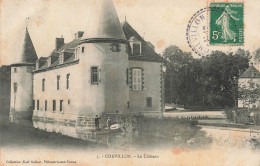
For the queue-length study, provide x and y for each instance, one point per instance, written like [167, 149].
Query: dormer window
[37, 65]
[135, 46]
[77, 53]
[136, 49]
[61, 59]
[49, 61]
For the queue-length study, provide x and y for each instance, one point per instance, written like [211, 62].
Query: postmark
[196, 32]
[214, 26]
[226, 27]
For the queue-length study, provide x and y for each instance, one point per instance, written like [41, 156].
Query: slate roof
[68, 49]
[107, 25]
[148, 54]
[251, 72]
[28, 54]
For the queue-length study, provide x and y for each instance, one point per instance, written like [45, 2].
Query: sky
[163, 23]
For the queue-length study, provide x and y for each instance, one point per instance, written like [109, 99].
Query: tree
[5, 86]
[210, 81]
[248, 93]
[221, 73]
[257, 54]
[176, 67]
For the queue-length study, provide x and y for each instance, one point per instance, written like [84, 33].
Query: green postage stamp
[226, 24]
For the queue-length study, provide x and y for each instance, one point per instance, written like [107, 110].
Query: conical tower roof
[107, 25]
[28, 54]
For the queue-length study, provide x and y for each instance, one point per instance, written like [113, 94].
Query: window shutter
[142, 79]
[89, 81]
[130, 79]
[127, 76]
[99, 75]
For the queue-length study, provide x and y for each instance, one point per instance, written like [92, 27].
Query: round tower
[104, 65]
[21, 102]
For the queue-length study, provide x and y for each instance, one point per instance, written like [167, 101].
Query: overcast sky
[162, 22]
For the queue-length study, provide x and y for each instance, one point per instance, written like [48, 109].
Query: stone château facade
[111, 70]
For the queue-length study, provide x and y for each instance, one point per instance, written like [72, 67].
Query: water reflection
[126, 139]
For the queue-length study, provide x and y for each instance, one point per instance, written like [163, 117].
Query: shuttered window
[136, 79]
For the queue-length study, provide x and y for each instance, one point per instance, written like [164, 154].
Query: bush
[170, 128]
[257, 116]
[241, 115]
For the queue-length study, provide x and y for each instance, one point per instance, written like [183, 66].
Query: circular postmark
[197, 31]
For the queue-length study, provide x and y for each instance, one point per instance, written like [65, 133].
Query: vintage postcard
[130, 82]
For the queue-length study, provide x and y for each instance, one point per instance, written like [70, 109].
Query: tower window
[136, 79]
[136, 49]
[38, 104]
[46, 105]
[148, 102]
[15, 87]
[15, 70]
[115, 47]
[83, 49]
[53, 105]
[33, 104]
[43, 85]
[94, 75]
[61, 104]
[58, 82]
[68, 102]
[68, 81]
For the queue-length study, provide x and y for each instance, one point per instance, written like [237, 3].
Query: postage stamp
[219, 24]
[227, 26]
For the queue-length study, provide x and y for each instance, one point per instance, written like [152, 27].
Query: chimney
[79, 34]
[59, 43]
